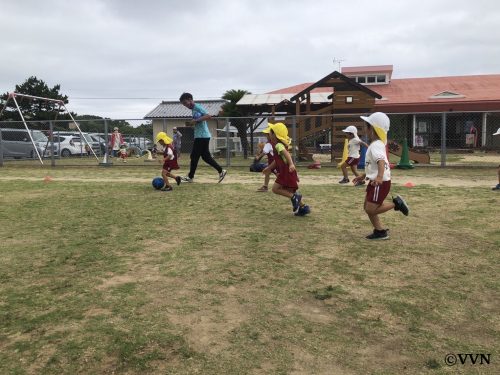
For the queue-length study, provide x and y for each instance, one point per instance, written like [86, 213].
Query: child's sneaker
[187, 179]
[360, 183]
[222, 175]
[303, 210]
[296, 198]
[378, 235]
[344, 181]
[167, 188]
[262, 189]
[400, 205]
[178, 179]
[496, 187]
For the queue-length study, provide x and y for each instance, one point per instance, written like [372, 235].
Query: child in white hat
[497, 187]
[378, 173]
[353, 147]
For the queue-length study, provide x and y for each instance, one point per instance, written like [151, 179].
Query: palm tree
[230, 109]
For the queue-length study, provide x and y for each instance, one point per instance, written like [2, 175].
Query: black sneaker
[222, 175]
[360, 183]
[400, 205]
[178, 179]
[378, 235]
[167, 188]
[496, 187]
[303, 210]
[344, 181]
[297, 197]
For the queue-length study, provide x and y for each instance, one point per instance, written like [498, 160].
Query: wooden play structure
[346, 97]
[321, 110]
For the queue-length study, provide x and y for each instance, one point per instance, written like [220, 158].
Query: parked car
[68, 145]
[141, 142]
[101, 141]
[16, 143]
[88, 140]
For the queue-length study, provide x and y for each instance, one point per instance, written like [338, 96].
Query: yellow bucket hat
[162, 136]
[281, 132]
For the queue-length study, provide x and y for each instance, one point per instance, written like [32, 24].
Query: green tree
[230, 109]
[34, 109]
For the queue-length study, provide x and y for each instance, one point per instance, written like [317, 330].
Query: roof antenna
[338, 61]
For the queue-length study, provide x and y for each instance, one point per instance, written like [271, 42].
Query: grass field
[100, 274]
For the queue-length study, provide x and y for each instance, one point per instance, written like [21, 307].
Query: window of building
[371, 79]
[447, 95]
[361, 79]
[380, 79]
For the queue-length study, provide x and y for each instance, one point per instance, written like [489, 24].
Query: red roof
[475, 92]
[298, 88]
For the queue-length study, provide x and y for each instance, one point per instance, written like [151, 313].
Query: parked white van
[16, 143]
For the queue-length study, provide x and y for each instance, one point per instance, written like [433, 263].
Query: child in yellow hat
[286, 183]
[378, 172]
[266, 149]
[169, 160]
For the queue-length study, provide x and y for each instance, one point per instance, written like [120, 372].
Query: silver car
[16, 143]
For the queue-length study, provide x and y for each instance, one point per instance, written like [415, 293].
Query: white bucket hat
[380, 122]
[351, 129]
[498, 132]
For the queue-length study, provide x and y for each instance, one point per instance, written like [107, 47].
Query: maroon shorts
[377, 194]
[288, 179]
[170, 164]
[352, 161]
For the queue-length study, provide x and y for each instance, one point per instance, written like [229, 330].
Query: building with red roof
[466, 109]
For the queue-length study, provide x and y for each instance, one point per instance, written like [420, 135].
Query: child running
[352, 160]
[286, 183]
[169, 160]
[267, 150]
[378, 173]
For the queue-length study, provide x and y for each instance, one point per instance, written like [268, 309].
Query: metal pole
[443, 140]
[413, 129]
[484, 129]
[295, 141]
[80, 130]
[1, 148]
[105, 161]
[36, 97]
[228, 154]
[27, 129]
[51, 133]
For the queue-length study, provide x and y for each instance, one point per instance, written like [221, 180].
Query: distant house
[170, 114]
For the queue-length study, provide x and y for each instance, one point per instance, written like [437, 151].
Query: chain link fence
[441, 139]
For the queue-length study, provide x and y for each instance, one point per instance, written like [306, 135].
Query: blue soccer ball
[158, 183]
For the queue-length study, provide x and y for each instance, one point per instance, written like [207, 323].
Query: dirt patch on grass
[256, 179]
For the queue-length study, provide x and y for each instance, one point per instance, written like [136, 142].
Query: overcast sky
[103, 49]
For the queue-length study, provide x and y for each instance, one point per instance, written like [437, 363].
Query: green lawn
[101, 274]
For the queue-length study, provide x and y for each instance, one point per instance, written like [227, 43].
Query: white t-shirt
[376, 151]
[170, 153]
[268, 149]
[353, 148]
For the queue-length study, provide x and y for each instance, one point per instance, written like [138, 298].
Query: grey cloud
[112, 48]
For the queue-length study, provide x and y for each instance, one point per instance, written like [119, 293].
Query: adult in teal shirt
[201, 138]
